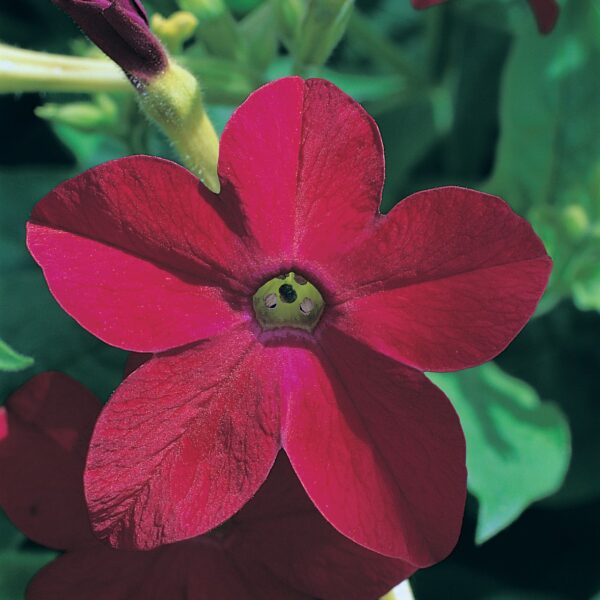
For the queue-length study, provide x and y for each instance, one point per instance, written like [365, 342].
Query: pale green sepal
[173, 100]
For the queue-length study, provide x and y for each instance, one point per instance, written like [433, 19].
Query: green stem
[31, 71]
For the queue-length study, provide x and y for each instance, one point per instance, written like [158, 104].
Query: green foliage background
[467, 93]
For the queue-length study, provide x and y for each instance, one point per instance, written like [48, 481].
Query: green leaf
[10, 536]
[259, 32]
[11, 360]
[518, 447]
[548, 157]
[30, 317]
[18, 567]
[324, 24]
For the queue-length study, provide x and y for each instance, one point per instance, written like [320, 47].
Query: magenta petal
[48, 424]
[445, 282]
[306, 161]
[378, 448]
[140, 254]
[183, 443]
[281, 535]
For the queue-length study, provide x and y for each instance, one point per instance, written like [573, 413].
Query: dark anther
[300, 280]
[283, 276]
[287, 293]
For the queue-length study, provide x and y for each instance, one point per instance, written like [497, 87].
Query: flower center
[288, 301]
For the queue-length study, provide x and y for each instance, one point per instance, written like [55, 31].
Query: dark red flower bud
[120, 29]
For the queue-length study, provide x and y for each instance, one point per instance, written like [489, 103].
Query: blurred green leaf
[259, 32]
[10, 536]
[29, 316]
[223, 81]
[11, 360]
[18, 567]
[289, 15]
[518, 447]
[322, 28]
[217, 28]
[548, 157]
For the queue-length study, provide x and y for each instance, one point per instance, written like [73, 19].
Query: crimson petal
[306, 161]
[186, 570]
[48, 423]
[445, 282]
[420, 4]
[378, 448]
[183, 443]
[140, 254]
[546, 14]
[280, 535]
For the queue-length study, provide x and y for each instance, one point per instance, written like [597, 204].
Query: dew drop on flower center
[288, 300]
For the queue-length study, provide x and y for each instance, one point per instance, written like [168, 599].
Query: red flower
[277, 546]
[120, 29]
[148, 260]
[545, 11]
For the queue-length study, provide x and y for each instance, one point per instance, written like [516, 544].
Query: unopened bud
[86, 116]
[575, 221]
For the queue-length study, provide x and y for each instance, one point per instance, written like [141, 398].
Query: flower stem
[31, 71]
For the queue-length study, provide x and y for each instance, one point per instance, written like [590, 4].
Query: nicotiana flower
[285, 312]
[120, 29]
[277, 546]
[545, 11]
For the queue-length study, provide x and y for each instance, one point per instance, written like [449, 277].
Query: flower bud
[86, 116]
[120, 29]
[575, 221]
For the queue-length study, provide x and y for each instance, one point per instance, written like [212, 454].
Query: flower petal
[420, 4]
[184, 442]
[546, 14]
[378, 448]
[445, 282]
[306, 161]
[48, 423]
[177, 572]
[140, 254]
[280, 535]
